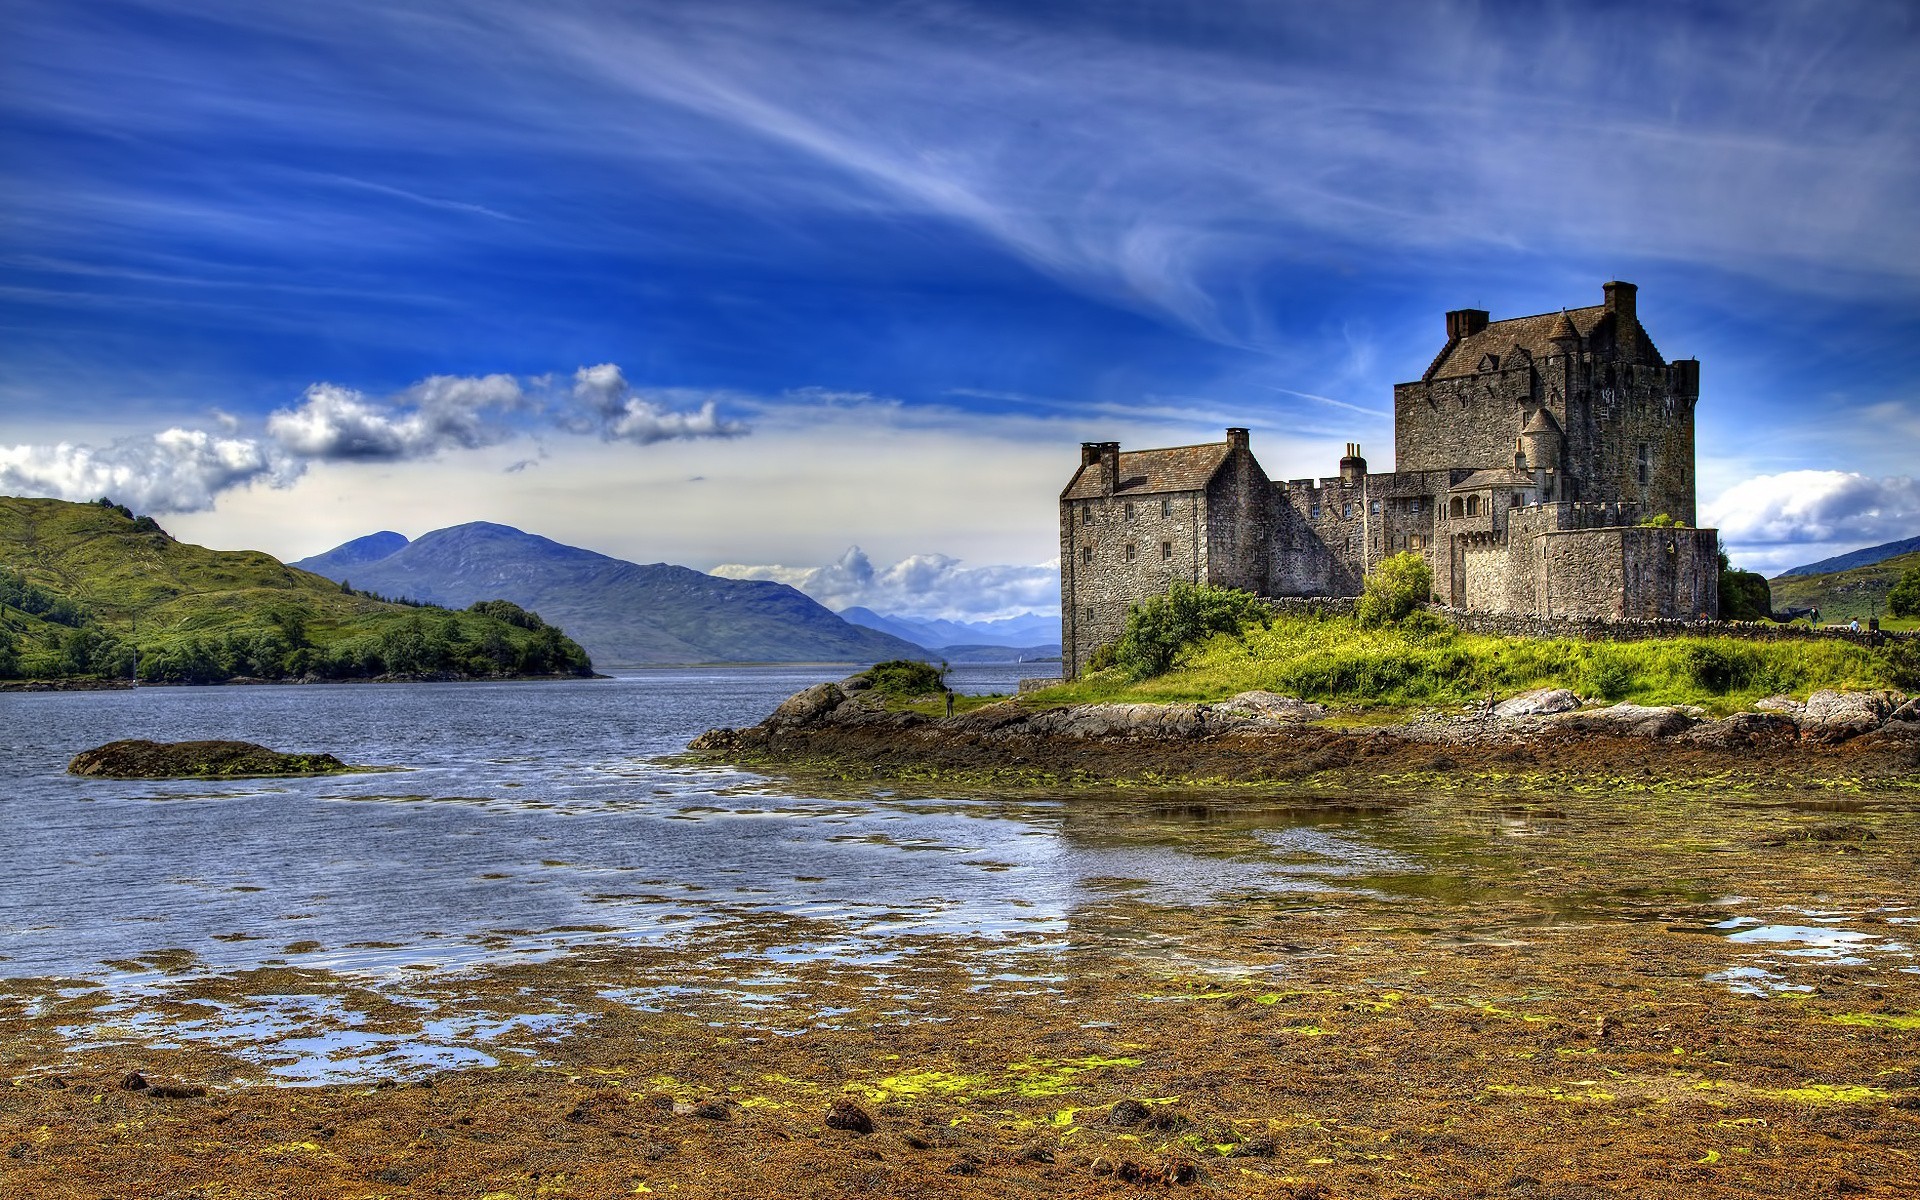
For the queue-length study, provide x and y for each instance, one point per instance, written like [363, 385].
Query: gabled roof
[1496, 477]
[1533, 334]
[1148, 472]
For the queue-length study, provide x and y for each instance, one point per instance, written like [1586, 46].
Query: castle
[1527, 458]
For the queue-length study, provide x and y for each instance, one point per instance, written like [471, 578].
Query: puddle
[1753, 981]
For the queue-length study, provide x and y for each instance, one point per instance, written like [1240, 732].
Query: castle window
[1473, 506]
[1645, 462]
[1127, 510]
[1459, 508]
[1166, 551]
[1413, 506]
[1086, 514]
[1129, 551]
[1313, 512]
[1086, 554]
[1346, 510]
[1376, 508]
[1416, 541]
[1090, 616]
[1166, 508]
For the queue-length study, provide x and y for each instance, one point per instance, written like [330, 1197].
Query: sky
[828, 292]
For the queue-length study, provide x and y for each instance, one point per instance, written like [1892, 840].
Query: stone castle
[1527, 458]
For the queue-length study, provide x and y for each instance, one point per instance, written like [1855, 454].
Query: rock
[1836, 716]
[1541, 702]
[1275, 706]
[140, 759]
[716, 739]
[845, 1114]
[1630, 720]
[1743, 730]
[134, 1082]
[1125, 1114]
[1907, 712]
[1780, 704]
[807, 707]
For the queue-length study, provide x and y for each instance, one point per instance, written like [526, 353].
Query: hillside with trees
[92, 591]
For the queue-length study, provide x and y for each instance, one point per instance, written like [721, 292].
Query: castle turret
[1541, 444]
[1626, 321]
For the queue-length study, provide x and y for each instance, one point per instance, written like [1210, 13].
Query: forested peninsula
[94, 595]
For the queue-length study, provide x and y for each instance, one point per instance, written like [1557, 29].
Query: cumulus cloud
[1800, 507]
[443, 412]
[175, 470]
[183, 470]
[607, 404]
[921, 585]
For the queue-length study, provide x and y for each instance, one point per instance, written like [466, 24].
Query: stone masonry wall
[1115, 551]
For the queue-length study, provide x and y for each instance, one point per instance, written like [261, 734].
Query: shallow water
[526, 820]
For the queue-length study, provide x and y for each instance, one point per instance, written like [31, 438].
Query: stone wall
[1115, 551]
[1635, 573]
[1592, 629]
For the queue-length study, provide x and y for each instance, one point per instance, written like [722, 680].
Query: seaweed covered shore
[1489, 995]
[1542, 739]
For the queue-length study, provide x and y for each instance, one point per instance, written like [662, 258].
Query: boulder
[140, 759]
[807, 707]
[1744, 730]
[1836, 716]
[1631, 720]
[1273, 706]
[1541, 702]
[1780, 704]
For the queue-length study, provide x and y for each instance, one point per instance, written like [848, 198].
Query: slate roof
[1147, 472]
[1496, 477]
[1533, 334]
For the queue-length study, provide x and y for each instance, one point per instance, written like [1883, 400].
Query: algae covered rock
[141, 759]
[1836, 716]
[1540, 702]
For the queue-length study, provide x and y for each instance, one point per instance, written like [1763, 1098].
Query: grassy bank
[1424, 662]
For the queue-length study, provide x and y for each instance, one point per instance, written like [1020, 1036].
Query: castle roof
[1145, 472]
[1496, 477]
[1534, 334]
[1541, 422]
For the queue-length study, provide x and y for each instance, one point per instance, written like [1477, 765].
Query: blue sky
[747, 284]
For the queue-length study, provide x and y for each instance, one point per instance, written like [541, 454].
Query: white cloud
[442, 412]
[609, 405]
[921, 585]
[1772, 522]
[175, 470]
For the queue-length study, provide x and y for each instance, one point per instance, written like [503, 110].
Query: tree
[1904, 599]
[1400, 584]
[1158, 629]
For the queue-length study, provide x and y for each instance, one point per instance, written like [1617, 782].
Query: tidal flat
[1463, 994]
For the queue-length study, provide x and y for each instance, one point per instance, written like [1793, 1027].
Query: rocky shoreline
[1263, 737]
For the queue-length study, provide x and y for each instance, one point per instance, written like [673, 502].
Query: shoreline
[1540, 740]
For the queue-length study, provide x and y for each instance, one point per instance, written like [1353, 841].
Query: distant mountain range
[622, 612]
[1856, 558]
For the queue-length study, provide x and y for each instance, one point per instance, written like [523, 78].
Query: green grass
[1844, 596]
[175, 601]
[1425, 663]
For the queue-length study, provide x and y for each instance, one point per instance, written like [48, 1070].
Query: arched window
[1473, 506]
[1459, 507]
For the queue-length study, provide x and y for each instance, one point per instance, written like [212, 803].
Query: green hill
[1851, 595]
[89, 590]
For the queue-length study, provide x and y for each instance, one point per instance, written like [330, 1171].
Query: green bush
[1398, 586]
[906, 677]
[1158, 629]
[1607, 671]
[1904, 599]
[1744, 596]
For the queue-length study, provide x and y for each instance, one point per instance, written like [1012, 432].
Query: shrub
[1744, 596]
[1102, 658]
[906, 677]
[1159, 628]
[1400, 584]
[1607, 671]
[1904, 599]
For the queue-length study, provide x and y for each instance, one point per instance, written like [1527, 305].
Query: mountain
[92, 590]
[1857, 558]
[1022, 632]
[1850, 595]
[356, 553]
[621, 612]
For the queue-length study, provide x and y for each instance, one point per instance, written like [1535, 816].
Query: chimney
[1109, 467]
[1353, 468]
[1239, 439]
[1089, 453]
[1465, 322]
